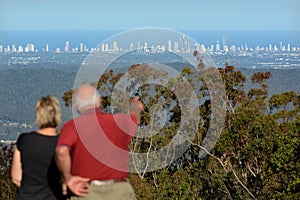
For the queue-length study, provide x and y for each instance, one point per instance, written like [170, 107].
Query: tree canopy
[255, 157]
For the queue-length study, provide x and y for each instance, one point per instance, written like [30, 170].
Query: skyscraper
[197, 46]
[115, 46]
[81, 47]
[169, 45]
[13, 48]
[176, 46]
[67, 46]
[20, 49]
[145, 46]
[138, 45]
[29, 48]
[225, 47]
[131, 47]
[218, 47]
[8, 48]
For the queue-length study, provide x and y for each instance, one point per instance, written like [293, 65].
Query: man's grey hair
[82, 103]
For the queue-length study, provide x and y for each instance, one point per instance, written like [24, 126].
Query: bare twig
[241, 182]
[223, 165]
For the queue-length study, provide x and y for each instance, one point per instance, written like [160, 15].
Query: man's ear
[75, 107]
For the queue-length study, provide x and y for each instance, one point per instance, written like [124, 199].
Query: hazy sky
[128, 14]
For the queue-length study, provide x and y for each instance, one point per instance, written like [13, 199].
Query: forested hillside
[20, 88]
[256, 155]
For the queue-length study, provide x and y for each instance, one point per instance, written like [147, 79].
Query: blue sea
[91, 38]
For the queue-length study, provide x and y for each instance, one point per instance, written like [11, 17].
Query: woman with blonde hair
[34, 168]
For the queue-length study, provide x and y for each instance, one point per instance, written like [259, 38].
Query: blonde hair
[47, 112]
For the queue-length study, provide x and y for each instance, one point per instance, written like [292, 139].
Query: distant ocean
[91, 38]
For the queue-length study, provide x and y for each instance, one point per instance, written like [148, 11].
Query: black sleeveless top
[41, 179]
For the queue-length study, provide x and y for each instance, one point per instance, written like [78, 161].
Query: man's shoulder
[69, 123]
[116, 115]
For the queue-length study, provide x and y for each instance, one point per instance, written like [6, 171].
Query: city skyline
[117, 14]
[172, 46]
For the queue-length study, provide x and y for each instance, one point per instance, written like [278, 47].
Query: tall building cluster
[180, 45]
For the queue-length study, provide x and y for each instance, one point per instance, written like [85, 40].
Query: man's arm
[64, 160]
[135, 108]
[76, 184]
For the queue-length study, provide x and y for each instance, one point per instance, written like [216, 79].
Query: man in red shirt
[93, 149]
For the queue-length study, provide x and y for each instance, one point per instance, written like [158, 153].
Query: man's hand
[136, 107]
[78, 185]
[136, 103]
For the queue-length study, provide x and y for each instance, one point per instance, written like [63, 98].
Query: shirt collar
[93, 110]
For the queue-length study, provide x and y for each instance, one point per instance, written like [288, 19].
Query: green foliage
[256, 157]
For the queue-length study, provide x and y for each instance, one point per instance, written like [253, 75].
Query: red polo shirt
[99, 144]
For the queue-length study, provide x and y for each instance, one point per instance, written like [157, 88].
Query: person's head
[47, 112]
[86, 97]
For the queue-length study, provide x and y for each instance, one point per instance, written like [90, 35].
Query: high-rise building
[138, 46]
[182, 42]
[153, 48]
[226, 49]
[67, 46]
[1, 48]
[289, 47]
[20, 49]
[202, 48]
[169, 45]
[176, 46]
[197, 46]
[225, 42]
[47, 47]
[218, 47]
[270, 47]
[131, 47]
[81, 47]
[29, 48]
[115, 46]
[8, 48]
[13, 48]
[280, 46]
[187, 46]
[145, 46]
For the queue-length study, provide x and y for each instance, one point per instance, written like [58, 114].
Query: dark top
[41, 178]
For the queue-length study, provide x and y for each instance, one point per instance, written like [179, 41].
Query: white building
[131, 47]
[67, 46]
[169, 45]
